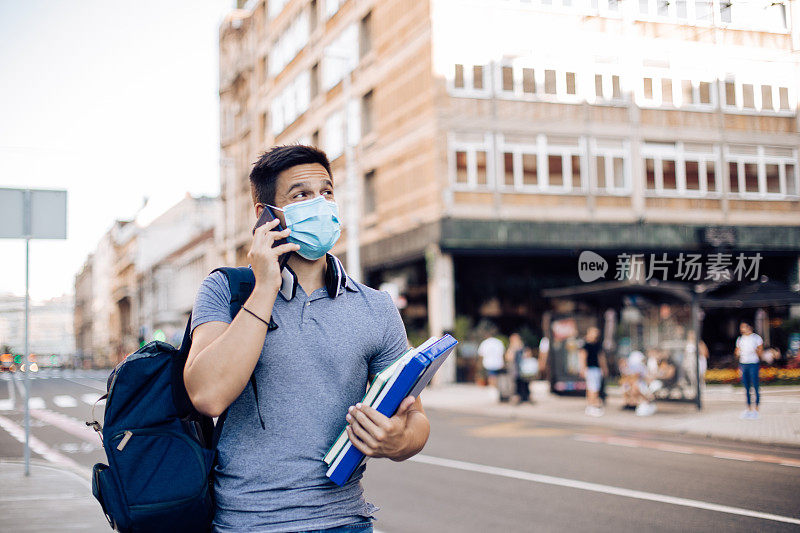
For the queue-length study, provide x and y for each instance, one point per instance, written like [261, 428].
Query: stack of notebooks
[406, 376]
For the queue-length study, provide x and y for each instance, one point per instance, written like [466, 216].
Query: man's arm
[223, 356]
[398, 438]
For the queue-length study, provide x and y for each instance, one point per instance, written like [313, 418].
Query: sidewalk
[51, 499]
[779, 422]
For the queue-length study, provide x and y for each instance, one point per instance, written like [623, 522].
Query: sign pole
[27, 223]
[28, 364]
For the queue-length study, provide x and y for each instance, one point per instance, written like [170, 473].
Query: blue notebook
[408, 380]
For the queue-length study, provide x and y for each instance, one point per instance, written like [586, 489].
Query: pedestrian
[491, 352]
[515, 355]
[690, 361]
[593, 367]
[749, 347]
[331, 335]
[544, 351]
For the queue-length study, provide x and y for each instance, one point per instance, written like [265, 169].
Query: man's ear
[259, 210]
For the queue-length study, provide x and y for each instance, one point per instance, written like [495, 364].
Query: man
[491, 351]
[749, 347]
[593, 368]
[333, 335]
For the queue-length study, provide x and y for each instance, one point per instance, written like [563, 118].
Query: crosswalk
[61, 400]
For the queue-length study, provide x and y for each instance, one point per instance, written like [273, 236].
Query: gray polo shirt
[311, 369]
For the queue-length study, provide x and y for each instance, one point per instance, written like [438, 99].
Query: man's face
[745, 329]
[298, 183]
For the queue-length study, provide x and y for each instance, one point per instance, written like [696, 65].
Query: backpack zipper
[126, 437]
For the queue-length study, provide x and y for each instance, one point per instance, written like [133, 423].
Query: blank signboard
[48, 214]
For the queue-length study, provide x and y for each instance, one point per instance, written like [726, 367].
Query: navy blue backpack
[161, 451]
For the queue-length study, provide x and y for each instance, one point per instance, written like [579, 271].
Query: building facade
[140, 282]
[493, 141]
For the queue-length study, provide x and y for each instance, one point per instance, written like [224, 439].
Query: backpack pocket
[106, 491]
[165, 479]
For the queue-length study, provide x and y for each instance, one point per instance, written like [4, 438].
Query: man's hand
[397, 438]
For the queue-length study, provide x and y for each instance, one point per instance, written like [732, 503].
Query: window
[648, 88]
[571, 83]
[610, 166]
[340, 57]
[508, 78]
[550, 82]
[289, 43]
[471, 165]
[650, 172]
[784, 98]
[555, 170]
[461, 167]
[766, 97]
[705, 92]
[332, 6]
[751, 177]
[692, 176]
[470, 80]
[529, 170]
[679, 168]
[365, 34]
[369, 192]
[458, 78]
[725, 10]
[748, 98]
[730, 94]
[477, 76]
[366, 113]
[334, 135]
[528, 81]
[668, 177]
[577, 174]
[314, 80]
[291, 102]
[755, 96]
[666, 91]
[480, 167]
[764, 171]
[508, 169]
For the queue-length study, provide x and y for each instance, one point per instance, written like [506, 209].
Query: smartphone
[267, 215]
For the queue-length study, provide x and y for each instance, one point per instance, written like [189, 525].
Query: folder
[374, 389]
[409, 379]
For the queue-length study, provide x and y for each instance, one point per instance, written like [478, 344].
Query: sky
[113, 101]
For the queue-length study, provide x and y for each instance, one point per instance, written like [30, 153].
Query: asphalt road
[485, 474]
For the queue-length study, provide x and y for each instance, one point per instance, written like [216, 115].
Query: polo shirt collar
[336, 279]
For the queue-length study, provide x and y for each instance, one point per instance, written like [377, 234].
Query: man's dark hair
[265, 171]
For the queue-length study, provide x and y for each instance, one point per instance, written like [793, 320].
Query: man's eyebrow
[299, 184]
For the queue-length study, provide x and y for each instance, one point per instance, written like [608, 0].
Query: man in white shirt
[492, 351]
[749, 347]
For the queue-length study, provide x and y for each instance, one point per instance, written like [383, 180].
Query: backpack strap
[241, 281]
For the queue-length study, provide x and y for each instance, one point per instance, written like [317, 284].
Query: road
[479, 473]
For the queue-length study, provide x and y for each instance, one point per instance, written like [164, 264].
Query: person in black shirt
[593, 368]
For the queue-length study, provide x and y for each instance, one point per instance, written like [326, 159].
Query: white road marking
[90, 398]
[63, 400]
[38, 446]
[6, 405]
[596, 487]
[34, 402]
[67, 424]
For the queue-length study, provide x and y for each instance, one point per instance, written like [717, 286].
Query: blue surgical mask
[314, 224]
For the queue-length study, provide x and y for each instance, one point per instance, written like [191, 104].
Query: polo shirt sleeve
[394, 343]
[212, 301]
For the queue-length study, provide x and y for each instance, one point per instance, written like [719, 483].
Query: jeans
[358, 527]
[750, 379]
